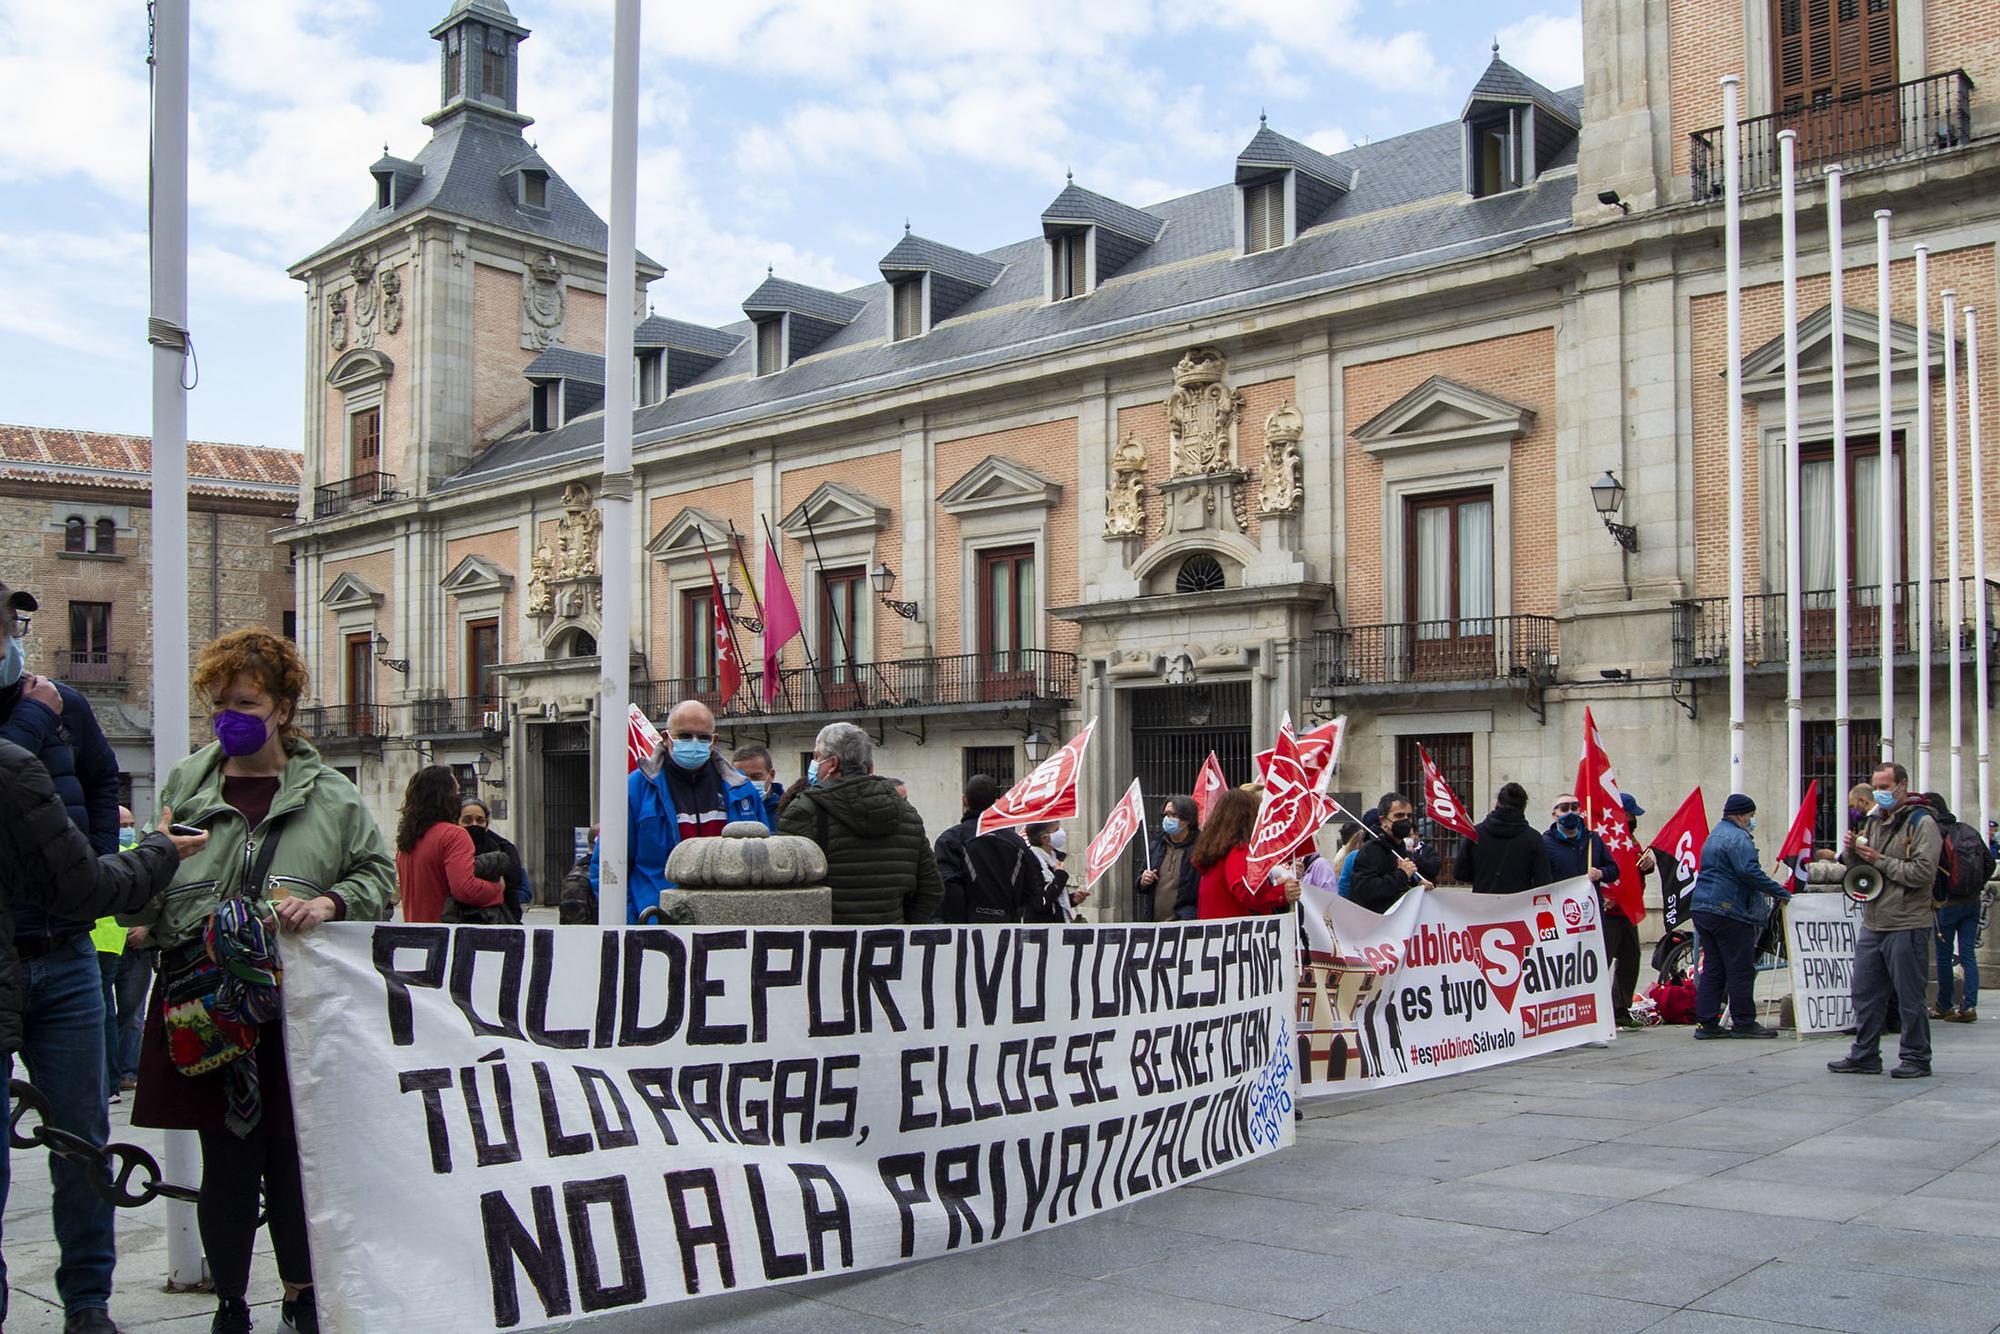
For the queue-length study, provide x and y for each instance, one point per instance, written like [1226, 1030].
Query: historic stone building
[1320, 438]
[76, 531]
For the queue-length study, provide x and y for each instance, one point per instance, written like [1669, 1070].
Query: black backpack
[1971, 865]
[578, 905]
[993, 877]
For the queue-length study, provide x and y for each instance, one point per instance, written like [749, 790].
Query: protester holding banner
[291, 842]
[1900, 839]
[436, 880]
[1222, 856]
[1576, 849]
[1729, 916]
[1621, 933]
[1387, 865]
[1168, 887]
[878, 861]
[1507, 854]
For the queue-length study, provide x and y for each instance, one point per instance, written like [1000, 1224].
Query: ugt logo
[1503, 947]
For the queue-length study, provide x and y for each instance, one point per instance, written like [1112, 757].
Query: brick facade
[1050, 449]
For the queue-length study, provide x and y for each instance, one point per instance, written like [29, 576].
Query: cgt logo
[1545, 918]
[1503, 946]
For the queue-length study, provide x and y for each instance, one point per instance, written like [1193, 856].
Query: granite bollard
[747, 877]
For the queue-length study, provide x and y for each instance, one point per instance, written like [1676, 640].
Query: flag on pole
[1319, 752]
[1208, 785]
[1441, 803]
[1604, 814]
[1679, 843]
[782, 622]
[1796, 850]
[1291, 813]
[1049, 793]
[1127, 818]
[728, 671]
[641, 737]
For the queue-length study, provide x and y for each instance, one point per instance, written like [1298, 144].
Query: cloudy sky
[795, 133]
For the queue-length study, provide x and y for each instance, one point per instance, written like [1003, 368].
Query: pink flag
[781, 619]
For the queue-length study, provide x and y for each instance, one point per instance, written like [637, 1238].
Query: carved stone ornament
[367, 299]
[336, 321]
[1201, 416]
[543, 303]
[578, 533]
[1281, 491]
[563, 574]
[541, 579]
[1125, 506]
[392, 301]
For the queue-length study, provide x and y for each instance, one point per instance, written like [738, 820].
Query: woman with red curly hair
[290, 846]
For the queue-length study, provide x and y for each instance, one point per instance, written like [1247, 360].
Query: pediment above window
[1764, 369]
[691, 533]
[347, 593]
[476, 574]
[1442, 413]
[998, 483]
[359, 368]
[835, 509]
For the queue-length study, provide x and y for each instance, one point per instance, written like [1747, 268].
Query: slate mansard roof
[1406, 210]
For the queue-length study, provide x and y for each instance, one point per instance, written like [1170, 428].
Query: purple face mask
[240, 733]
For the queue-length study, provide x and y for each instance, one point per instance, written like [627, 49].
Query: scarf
[244, 943]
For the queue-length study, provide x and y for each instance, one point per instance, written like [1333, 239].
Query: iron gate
[1175, 727]
[565, 753]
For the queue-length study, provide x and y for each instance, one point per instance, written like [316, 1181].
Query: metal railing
[1468, 650]
[1862, 129]
[364, 487]
[1025, 676]
[1701, 625]
[345, 722]
[456, 716]
[95, 667]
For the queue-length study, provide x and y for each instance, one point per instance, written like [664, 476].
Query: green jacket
[329, 845]
[878, 861]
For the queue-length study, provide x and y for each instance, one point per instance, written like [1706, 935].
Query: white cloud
[1548, 48]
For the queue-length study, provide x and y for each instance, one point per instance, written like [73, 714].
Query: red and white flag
[1604, 812]
[641, 737]
[1679, 843]
[1291, 813]
[728, 671]
[1127, 818]
[1441, 803]
[1319, 752]
[1208, 785]
[1797, 848]
[1049, 793]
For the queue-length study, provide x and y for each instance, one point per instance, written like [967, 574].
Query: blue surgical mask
[812, 772]
[1169, 825]
[128, 838]
[1884, 800]
[690, 754]
[1752, 826]
[12, 664]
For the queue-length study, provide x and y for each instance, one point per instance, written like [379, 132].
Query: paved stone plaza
[1662, 1184]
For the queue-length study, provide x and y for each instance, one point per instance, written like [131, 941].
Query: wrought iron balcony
[466, 716]
[345, 724]
[1920, 118]
[958, 683]
[1455, 654]
[95, 669]
[350, 493]
[1701, 627]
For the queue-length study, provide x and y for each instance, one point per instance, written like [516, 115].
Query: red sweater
[440, 866]
[1222, 892]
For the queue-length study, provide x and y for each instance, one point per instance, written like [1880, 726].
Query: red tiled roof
[34, 452]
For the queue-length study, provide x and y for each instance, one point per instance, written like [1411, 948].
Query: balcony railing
[92, 667]
[1467, 651]
[457, 717]
[352, 492]
[345, 723]
[1701, 626]
[966, 680]
[1863, 129]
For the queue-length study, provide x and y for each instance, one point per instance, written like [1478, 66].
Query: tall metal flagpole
[1885, 489]
[1843, 595]
[166, 331]
[1955, 617]
[1732, 237]
[1976, 477]
[1794, 565]
[1926, 561]
[614, 680]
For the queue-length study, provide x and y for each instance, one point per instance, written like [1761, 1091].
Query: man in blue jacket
[62, 993]
[1729, 915]
[685, 789]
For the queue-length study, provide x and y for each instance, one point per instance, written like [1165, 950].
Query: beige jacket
[1910, 843]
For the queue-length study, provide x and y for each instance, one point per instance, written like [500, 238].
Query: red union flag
[1679, 845]
[1049, 793]
[1208, 785]
[728, 671]
[1292, 810]
[641, 738]
[1127, 818]
[1319, 752]
[1604, 812]
[1441, 803]
[1797, 847]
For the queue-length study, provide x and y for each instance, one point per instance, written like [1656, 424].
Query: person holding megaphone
[1901, 842]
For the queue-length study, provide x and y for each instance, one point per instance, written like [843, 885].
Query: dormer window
[1496, 153]
[650, 386]
[535, 189]
[1514, 130]
[771, 346]
[1264, 215]
[907, 300]
[1069, 264]
[385, 190]
[548, 405]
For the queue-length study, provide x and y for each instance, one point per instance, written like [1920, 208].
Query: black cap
[1738, 804]
[17, 600]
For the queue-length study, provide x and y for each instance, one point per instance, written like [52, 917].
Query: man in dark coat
[1385, 867]
[878, 862]
[1509, 854]
[986, 877]
[1166, 886]
[62, 992]
[1574, 848]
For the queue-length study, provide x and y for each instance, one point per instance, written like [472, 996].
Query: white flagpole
[169, 227]
[1794, 565]
[1732, 238]
[1843, 595]
[1923, 565]
[1976, 478]
[1885, 489]
[614, 682]
[1955, 616]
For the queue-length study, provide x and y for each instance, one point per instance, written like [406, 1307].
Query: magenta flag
[781, 619]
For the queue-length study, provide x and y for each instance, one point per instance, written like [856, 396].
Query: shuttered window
[1066, 268]
[909, 308]
[1828, 49]
[1264, 216]
[770, 346]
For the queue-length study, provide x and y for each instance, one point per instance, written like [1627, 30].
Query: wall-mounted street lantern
[1607, 493]
[884, 579]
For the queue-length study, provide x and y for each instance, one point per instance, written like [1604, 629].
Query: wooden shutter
[1830, 48]
[1263, 216]
[1079, 248]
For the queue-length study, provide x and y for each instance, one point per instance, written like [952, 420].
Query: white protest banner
[1819, 935]
[507, 1128]
[1446, 981]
